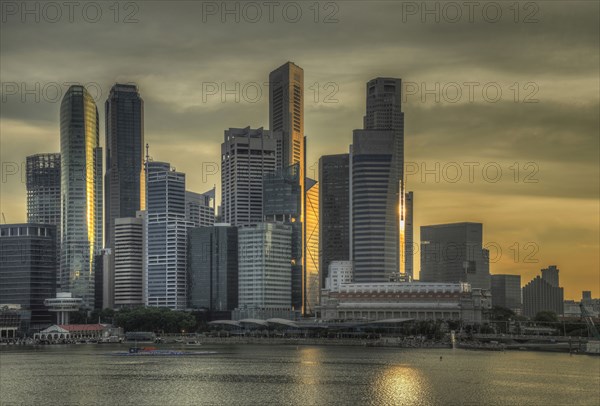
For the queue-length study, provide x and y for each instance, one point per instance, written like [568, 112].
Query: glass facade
[28, 265]
[81, 193]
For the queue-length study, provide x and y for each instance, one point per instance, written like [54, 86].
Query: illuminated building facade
[81, 193]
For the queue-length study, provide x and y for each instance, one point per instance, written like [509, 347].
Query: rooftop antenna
[147, 152]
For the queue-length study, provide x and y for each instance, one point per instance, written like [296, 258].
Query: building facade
[247, 155]
[334, 207]
[340, 273]
[28, 267]
[166, 237]
[43, 189]
[264, 270]
[213, 269]
[415, 300]
[543, 294]
[311, 284]
[506, 292]
[129, 256]
[81, 193]
[453, 253]
[376, 162]
[200, 209]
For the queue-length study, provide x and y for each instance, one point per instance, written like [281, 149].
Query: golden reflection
[400, 385]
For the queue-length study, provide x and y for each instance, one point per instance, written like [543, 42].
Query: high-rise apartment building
[213, 269]
[264, 276]
[81, 193]
[166, 237]
[247, 155]
[506, 292]
[28, 265]
[454, 253]
[334, 208]
[199, 208]
[128, 255]
[376, 162]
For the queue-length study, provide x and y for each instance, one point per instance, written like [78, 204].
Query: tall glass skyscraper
[81, 193]
[377, 159]
[124, 178]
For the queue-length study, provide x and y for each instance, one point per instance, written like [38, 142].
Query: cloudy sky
[501, 100]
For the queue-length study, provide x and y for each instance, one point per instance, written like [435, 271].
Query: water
[304, 375]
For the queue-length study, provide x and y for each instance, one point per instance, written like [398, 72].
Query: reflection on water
[290, 375]
[400, 385]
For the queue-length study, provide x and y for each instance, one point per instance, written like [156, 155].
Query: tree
[546, 316]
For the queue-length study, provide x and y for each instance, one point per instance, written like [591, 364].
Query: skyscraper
[81, 193]
[406, 232]
[283, 204]
[128, 253]
[43, 194]
[454, 253]
[124, 178]
[28, 269]
[199, 208]
[286, 113]
[43, 189]
[247, 155]
[166, 237]
[334, 207]
[213, 269]
[376, 161]
[264, 271]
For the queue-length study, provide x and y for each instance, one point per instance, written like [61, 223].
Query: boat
[153, 351]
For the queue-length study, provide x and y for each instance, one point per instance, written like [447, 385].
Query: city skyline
[514, 213]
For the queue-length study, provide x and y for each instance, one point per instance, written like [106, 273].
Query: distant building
[247, 155]
[63, 305]
[408, 236]
[340, 272]
[334, 208]
[129, 261]
[543, 294]
[213, 269]
[506, 292]
[310, 277]
[264, 275]
[166, 237]
[28, 267]
[453, 253]
[401, 300]
[199, 208]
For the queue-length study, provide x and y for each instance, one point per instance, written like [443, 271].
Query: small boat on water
[153, 351]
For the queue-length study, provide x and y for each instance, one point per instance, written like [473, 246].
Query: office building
[166, 237]
[453, 253]
[264, 271]
[129, 257]
[506, 292]
[124, 179]
[283, 204]
[213, 269]
[334, 207]
[247, 155]
[28, 267]
[43, 189]
[311, 283]
[81, 193]
[543, 294]
[376, 170]
[406, 236]
[199, 208]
